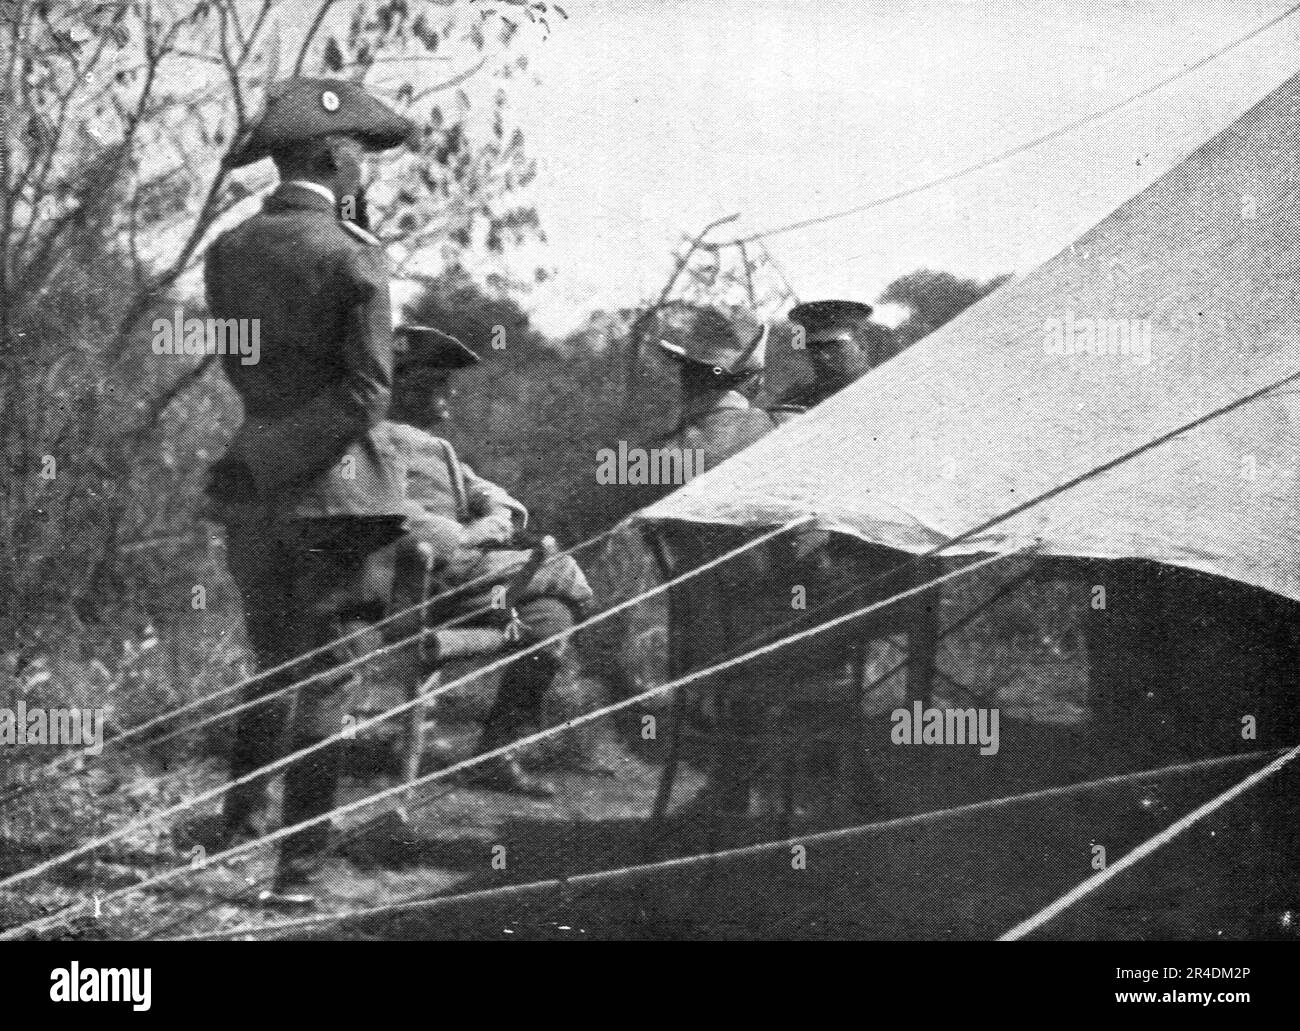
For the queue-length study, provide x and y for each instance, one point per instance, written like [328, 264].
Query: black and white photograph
[650, 470]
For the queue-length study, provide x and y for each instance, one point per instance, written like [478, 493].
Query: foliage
[115, 118]
[933, 299]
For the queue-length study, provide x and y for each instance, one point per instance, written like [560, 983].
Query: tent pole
[667, 779]
[923, 641]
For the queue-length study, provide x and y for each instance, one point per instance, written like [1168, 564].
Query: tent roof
[978, 416]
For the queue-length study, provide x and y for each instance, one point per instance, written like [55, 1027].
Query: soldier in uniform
[716, 611]
[842, 344]
[309, 489]
[472, 527]
[720, 376]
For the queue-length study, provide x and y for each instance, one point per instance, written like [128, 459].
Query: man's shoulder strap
[413, 438]
[364, 235]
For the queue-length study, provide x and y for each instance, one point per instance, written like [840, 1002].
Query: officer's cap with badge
[424, 347]
[708, 338]
[300, 110]
[826, 321]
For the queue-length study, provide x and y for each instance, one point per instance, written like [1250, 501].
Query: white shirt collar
[307, 184]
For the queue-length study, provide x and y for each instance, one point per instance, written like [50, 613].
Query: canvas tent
[987, 412]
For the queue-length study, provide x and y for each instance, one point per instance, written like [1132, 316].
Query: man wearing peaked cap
[471, 530]
[310, 489]
[842, 344]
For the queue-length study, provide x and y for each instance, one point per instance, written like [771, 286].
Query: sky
[651, 118]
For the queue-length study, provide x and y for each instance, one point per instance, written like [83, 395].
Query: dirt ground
[964, 877]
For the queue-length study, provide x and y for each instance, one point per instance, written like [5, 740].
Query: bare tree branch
[256, 31]
[455, 80]
[643, 317]
[314, 28]
[232, 68]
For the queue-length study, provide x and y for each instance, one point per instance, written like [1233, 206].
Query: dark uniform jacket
[311, 445]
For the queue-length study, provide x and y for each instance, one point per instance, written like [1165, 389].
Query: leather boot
[516, 713]
[310, 786]
[244, 812]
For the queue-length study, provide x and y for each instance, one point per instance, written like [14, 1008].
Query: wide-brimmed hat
[299, 110]
[426, 347]
[709, 337]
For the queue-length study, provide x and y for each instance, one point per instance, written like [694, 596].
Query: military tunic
[309, 446]
[309, 489]
[468, 520]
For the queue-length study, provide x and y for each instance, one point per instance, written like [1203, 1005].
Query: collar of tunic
[299, 193]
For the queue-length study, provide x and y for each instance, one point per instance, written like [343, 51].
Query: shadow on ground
[965, 877]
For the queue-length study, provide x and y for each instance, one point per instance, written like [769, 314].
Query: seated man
[467, 524]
